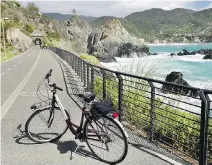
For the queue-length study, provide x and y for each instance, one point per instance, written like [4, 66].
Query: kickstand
[74, 151]
[18, 132]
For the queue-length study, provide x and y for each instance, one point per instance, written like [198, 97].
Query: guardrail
[175, 117]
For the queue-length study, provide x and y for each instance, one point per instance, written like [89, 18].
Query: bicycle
[101, 125]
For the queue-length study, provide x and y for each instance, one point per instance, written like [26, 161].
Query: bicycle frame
[77, 131]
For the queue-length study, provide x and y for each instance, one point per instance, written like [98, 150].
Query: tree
[74, 11]
[31, 6]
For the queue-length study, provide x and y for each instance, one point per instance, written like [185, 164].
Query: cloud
[107, 8]
[199, 5]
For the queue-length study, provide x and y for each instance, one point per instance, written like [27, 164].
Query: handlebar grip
[59, 88]
[56, 87]
[48, 74]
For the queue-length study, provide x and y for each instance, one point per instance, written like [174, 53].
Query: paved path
[21, 151]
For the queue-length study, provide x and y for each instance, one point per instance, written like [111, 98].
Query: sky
[120, 8]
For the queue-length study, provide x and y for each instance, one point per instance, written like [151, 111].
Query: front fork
[51, 117]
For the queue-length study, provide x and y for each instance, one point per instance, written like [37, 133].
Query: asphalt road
[21, 151]
[13, 72]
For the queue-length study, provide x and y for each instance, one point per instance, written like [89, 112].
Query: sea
[196, 71]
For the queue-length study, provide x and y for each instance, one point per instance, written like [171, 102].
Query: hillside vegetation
[26, 20]
[177, 25]
[65, 17]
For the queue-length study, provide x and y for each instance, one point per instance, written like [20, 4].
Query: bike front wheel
[40, 128]
[106, 139]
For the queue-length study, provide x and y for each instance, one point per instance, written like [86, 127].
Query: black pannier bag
[101, 108]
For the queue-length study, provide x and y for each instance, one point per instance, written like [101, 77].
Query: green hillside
[177, 25]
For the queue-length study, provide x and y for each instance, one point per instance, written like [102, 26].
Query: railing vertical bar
[203, 128]
[92, 79]
[152, 109]
[84, 74]
[104, 84]
[88, 69]
[207, 128]
[120, 96]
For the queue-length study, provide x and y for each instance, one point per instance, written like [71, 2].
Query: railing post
[120, 96]
[68, 59]
[88, 76]
[203, 128]
[80, 70]
[72, 60]
[152, 111]
[92, 79]
[84, 72]
[207, 127]
[74, 66]
[103, 84]
[78, 66]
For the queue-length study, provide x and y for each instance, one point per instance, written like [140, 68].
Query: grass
[90, 59]
[173, 127]
[9, 55]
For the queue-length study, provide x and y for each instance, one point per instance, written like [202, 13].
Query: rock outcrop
[201, 51]
[207, 57]
[113, 40]
[78, 31]
[19, 40]
[177, 78]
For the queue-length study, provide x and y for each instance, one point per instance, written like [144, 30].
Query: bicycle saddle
[88, 97]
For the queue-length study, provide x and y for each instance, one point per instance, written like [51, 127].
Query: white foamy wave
[192, 58]
[164, 44]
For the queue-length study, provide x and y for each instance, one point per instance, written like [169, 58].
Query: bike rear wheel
[106, 140]
[39, 129]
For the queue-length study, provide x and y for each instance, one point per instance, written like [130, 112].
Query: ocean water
[175, 48]
[196, 71]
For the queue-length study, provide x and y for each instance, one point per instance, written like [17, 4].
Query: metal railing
[175, 117]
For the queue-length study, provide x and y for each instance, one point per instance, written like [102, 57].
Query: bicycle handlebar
[55, 86]
[52, 84]
[48, 74]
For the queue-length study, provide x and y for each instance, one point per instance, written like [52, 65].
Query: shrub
[9, 24]
[28, 29]
[31, 6]
[16, 3]
[89, 58]
[53, 36]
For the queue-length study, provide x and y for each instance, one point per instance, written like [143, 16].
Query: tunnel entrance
[37, 37]
[37, 41]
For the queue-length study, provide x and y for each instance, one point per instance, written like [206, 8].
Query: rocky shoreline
[184, 52]
[206, 52]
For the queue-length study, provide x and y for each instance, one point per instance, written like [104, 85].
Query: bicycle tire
[122, 157]
[29, 134]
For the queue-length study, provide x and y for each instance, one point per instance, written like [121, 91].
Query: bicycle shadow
[62, 146]
[73, 147]
[20, 136]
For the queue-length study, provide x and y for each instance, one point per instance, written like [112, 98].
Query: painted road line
[14, 65]
[2, 74]
[19, 62]
[9, 69]
[6, 106]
